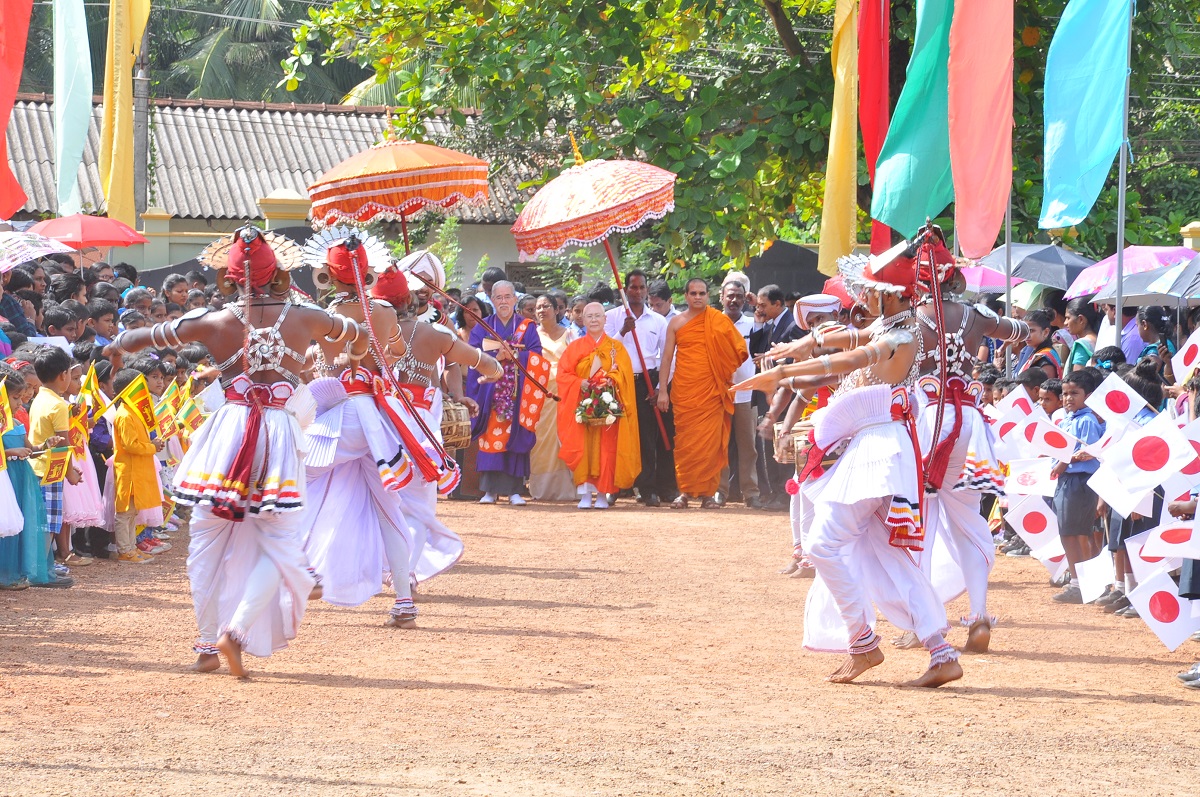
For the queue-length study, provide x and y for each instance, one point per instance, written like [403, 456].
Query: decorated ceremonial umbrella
[1169, 286]
[586, 204]
[20, 247]
[1137, 259]
[81, 231]
[1042, 263]
[395, 181]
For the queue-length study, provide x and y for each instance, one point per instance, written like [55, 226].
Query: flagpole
[1119, 318]
[1008, 308]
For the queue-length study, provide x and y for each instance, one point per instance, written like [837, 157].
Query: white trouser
[848, 544]
[952, 516]
[800, 511]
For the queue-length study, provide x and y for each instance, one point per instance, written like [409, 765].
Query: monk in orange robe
[707, 349]
[603, 459]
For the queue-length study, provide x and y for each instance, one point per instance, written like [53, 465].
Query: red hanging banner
[14, 30]
[874, 21]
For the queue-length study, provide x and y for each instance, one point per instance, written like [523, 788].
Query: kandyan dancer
[244, 471]
[867, 502]
[363, 447]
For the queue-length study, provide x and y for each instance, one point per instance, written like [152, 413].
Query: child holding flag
[1074, 502]
[135, 473]
[50, 418]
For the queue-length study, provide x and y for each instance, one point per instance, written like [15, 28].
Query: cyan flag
[1085, 98]
[912, 178]
[72, 100]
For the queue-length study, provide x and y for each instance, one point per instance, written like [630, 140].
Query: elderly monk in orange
[604, 459]
[707, 349]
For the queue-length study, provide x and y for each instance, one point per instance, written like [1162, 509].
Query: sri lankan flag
[91, 389]
[189, 416]
[6, 416]
[138, 398]
[77, 431]
[173, 397]
[166, 417]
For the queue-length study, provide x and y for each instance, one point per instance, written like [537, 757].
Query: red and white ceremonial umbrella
[587, 203]
[395, 181]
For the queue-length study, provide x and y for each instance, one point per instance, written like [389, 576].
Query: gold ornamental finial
[575, 149]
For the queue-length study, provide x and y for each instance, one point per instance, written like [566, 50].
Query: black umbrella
[1044, 263]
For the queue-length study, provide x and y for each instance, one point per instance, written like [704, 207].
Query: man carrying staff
[508, 409]
[706, 349]
[657, 478]
[604, 459]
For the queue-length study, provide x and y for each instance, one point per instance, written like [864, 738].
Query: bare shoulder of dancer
[895, 351]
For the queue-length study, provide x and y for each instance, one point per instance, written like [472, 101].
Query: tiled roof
[215, 159]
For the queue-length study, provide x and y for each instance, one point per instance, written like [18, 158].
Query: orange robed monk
[707, 349]
[604, 457]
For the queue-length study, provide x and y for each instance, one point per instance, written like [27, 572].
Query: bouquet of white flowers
[598, 402]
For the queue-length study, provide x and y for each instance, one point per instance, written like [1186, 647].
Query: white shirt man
[651, 332]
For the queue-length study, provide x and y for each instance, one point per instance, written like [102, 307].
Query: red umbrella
[81, 231]
[589, 202]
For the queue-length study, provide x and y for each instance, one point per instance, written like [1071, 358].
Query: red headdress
[392, 287]
[347, 261]
[251, 254]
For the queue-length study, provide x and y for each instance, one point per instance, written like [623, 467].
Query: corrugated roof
[214, 159]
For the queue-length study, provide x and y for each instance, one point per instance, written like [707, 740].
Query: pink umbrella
[981, 279]
[1095, 278]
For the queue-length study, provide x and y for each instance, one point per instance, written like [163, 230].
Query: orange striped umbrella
[591, 201]
[396, 180]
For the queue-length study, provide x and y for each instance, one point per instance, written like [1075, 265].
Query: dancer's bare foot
[855, 665]
[206, 662]
[317, 592]
[232, 652]
[792, 567]
[938, 674]
[907, 641]
[405, 621]
[978, 637]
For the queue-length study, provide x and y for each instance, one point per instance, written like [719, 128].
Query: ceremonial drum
[456, 425]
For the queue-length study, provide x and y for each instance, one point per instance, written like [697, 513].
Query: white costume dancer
[430, 348]
[867, 503]
[244, 472]
[362, 452]
[963, 465]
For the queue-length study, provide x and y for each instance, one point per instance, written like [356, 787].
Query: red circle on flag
[1151, 559]
[1029, 430]
[1189, 354]
[1024, 405]
[1117, 401]
[1055, 440]
[1164, 607]
[1151, 453]
[1193, 467]
[1034, 523]
[1006, 428]
[1176, 536]
[1057, 559]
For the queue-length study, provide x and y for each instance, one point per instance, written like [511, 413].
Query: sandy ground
[632, 652]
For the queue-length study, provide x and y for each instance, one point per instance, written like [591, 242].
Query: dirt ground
[631, 652]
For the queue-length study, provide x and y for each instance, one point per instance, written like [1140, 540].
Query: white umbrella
[20, 247]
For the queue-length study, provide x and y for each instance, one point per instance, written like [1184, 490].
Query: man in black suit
[776, 325]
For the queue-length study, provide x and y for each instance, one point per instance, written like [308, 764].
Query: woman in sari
[549, 477]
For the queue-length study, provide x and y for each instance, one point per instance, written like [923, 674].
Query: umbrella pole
[1119, 320]
[404, 232]
[1008, 276]
[637, 344]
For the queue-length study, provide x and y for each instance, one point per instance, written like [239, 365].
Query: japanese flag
[1168, 615]
[1176, 539]
[1017, 398]
[1107, 484]
[1144, 565]
[1111, 435]
[1009, 422]
[1144, 458]
[1094, 575]
[1186, 359]
[1030, 477]
[1044, 438]
[1189, 476]
[1115, 401]
[1034, 521]
[1053, 558]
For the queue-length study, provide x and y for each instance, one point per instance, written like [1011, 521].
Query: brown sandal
[680, 503]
